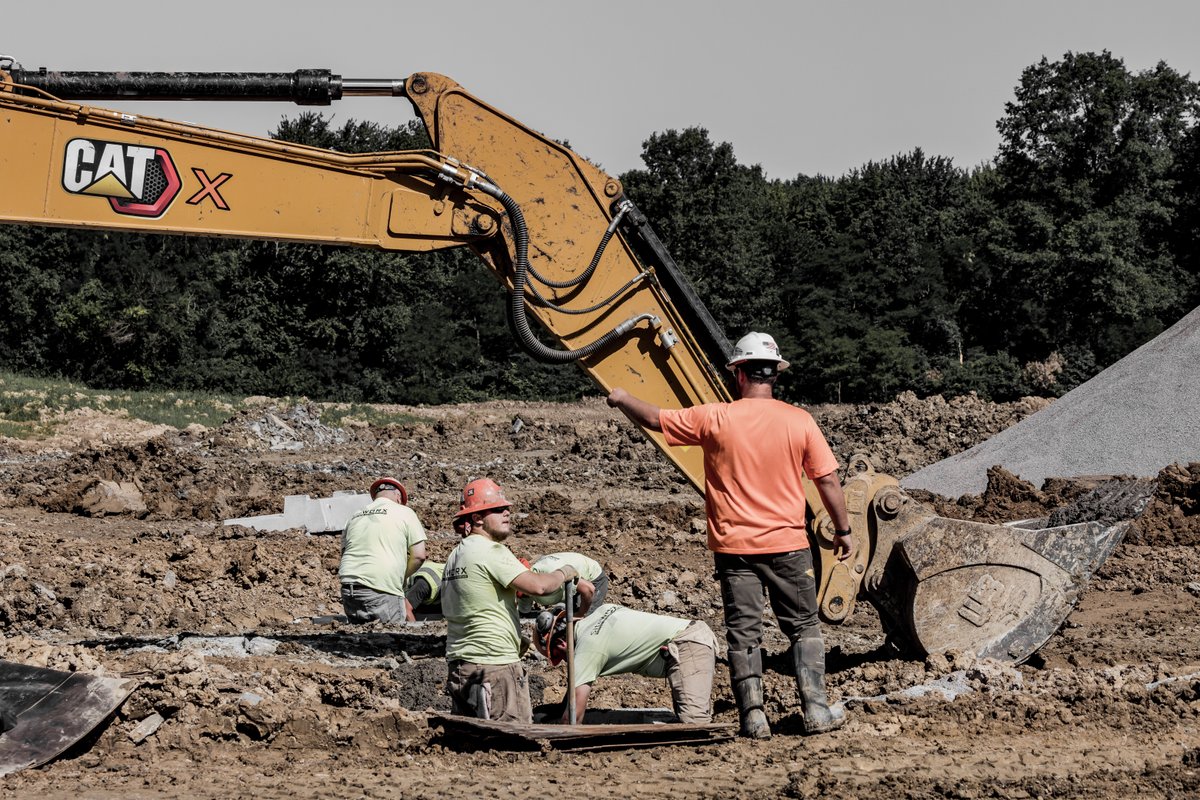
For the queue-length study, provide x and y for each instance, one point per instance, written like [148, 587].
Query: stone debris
[107, 498]
[145, 728]
[295, 428]
[955, 684]
[320, 515]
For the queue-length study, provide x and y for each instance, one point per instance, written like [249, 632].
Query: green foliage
[1080, 242]
[992, 376]
[710, 212]
[1084, 243]
[342, 414]
[316, 130]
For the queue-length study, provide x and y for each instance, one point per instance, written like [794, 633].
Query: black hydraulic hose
[622, 207]
[516, 299]
[578, 279]
[517, 303]
[541, 301]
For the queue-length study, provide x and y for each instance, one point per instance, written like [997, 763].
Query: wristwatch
[846, 532]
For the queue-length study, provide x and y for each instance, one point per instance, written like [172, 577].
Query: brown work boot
[808, 657]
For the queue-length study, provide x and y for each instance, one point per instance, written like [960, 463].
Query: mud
[113, 560]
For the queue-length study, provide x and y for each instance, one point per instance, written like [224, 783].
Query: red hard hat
[391, 483]
[481, 495]
[551, 628]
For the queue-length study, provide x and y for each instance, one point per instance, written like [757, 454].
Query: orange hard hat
[481, 495]
[390, 483]
[551, 639]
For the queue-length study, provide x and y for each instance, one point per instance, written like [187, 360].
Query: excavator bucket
[939, 584]
[49, 710]
[995, 590]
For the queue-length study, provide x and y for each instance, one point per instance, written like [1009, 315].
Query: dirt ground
[114, 560]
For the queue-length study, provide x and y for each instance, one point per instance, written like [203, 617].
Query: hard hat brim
[390, 483]
[780, 365]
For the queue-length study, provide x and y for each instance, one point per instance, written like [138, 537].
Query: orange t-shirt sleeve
[683, 426]
[819, 459]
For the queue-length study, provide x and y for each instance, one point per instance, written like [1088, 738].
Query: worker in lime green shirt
[382, 545]
[615, 640]
[484, 646]
[589, 570]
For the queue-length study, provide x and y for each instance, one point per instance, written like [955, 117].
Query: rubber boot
[745, 673]
[808, 657]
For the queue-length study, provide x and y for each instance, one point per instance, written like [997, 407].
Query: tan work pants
[691, 661]
[488, 691]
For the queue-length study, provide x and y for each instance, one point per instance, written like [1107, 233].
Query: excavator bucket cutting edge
[52, 711]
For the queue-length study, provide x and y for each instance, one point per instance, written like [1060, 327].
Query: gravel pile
[1134, 418]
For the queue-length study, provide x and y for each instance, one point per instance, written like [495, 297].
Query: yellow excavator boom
[538, 214]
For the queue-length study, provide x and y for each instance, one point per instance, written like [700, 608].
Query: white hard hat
[755, 346]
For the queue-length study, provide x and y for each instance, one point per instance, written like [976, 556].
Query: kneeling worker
[486, 678]
[589, 569]
[423, 590]
[382, 545]
[615, 640]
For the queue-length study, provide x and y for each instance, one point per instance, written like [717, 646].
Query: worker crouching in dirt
[615, 640]
[423, 589]
[756, 452]
[484, 646]
[589, 570]
[382, 545]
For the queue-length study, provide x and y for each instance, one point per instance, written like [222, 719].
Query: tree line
[1025, 275]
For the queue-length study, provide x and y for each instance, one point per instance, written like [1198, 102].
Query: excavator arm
[576, 257]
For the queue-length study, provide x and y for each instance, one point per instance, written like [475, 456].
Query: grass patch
[336, 414]
[31, 408]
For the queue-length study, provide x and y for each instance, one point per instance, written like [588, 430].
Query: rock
[108, 498]
[145, 728]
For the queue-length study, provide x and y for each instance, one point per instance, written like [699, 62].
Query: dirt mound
[911, 432]
[229, 635]
[79, 429]
[1173, 517]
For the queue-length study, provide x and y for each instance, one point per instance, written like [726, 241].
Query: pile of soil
[115, 560]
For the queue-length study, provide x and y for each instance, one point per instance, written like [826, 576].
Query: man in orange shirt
[756, 450]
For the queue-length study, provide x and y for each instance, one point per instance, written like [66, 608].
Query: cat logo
[137, 180]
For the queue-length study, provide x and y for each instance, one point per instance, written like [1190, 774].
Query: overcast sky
[797, 87]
